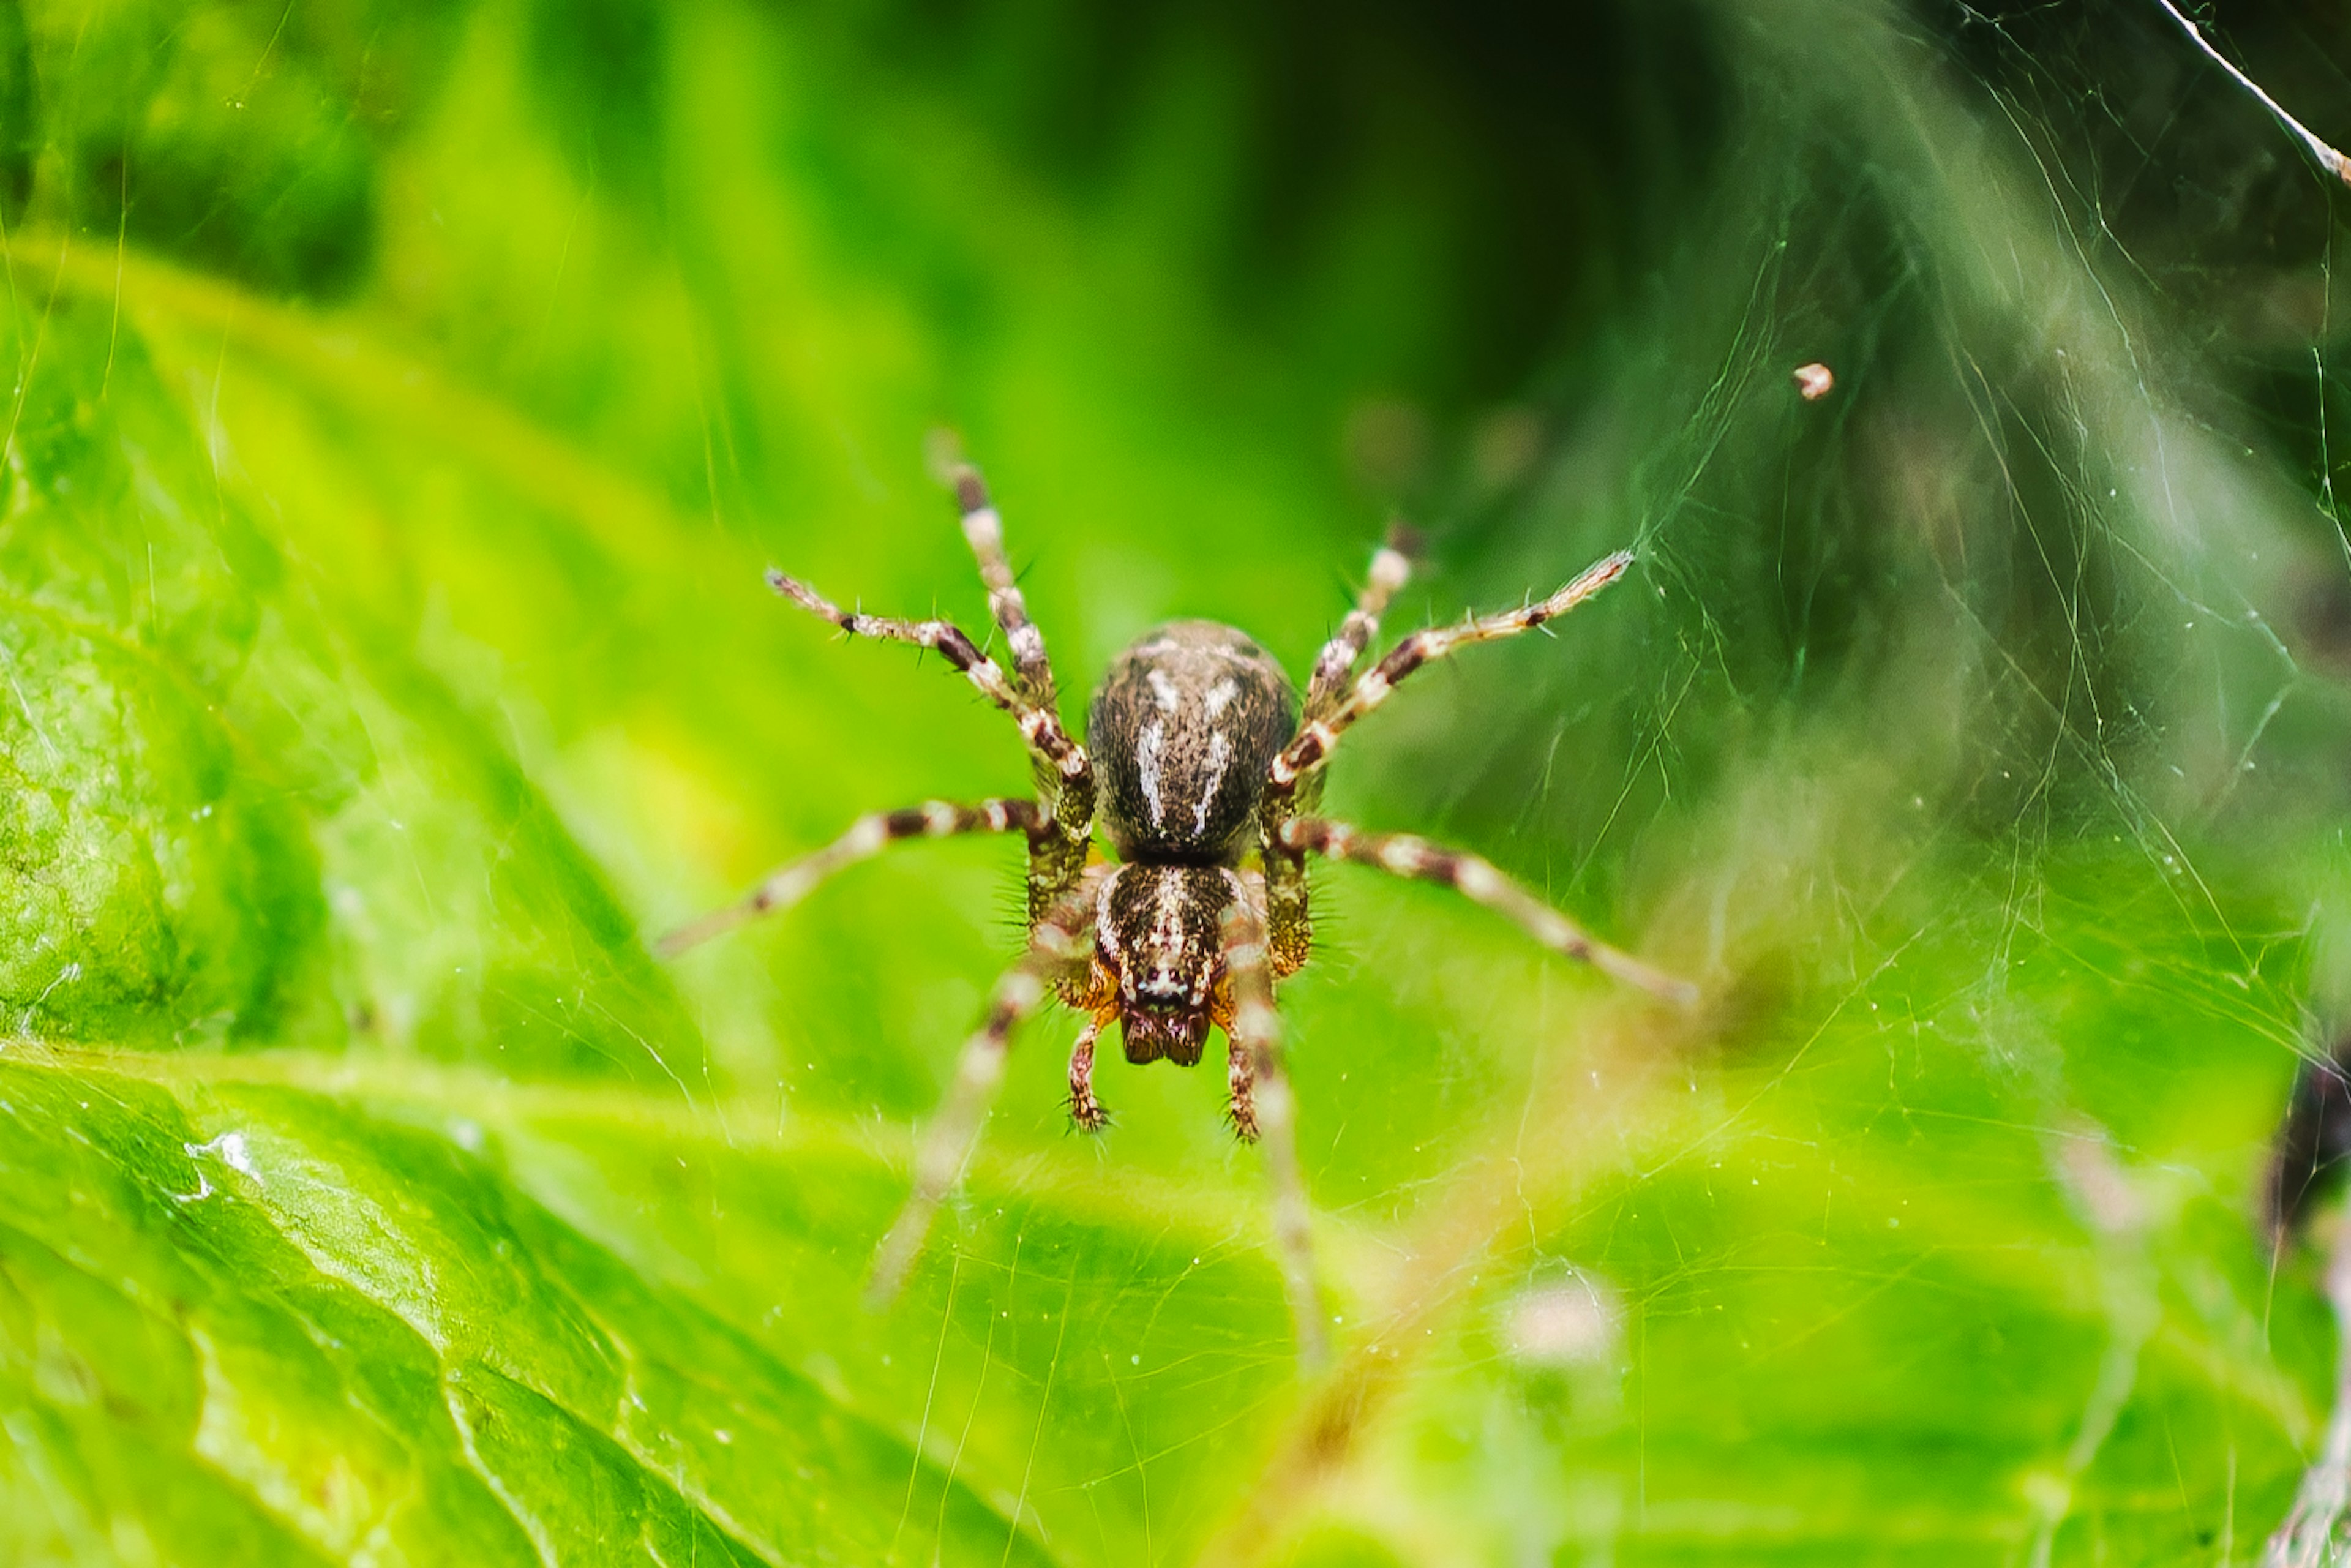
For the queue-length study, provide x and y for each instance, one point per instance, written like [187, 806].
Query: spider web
[1971, 686]
[1974, 734]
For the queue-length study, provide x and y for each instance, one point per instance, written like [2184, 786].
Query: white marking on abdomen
[1146, 754]
[1220, 756]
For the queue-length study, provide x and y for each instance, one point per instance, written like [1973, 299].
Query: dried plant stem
[2331, 161]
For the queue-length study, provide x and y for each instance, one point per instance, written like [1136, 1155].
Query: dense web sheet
[406, 407]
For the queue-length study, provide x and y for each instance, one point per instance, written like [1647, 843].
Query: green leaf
[407, 400]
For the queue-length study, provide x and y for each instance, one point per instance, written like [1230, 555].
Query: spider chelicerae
[1203, 771]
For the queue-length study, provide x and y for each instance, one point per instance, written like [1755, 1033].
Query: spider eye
[1161, 988]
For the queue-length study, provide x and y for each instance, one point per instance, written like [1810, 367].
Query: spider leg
[1401, 854]
[1289, 901]
[1335, 700]
[1084, 1109]
[1032, 673]
[1240, 1092]
[1039, 725]
[1056, 954]
[1067, 780]
[867, 837]
[1391, 568]
[1312, 749]
[1254, 1029]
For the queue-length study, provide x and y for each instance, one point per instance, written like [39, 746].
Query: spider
[1203, 771]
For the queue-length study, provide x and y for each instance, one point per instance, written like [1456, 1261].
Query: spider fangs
[1201, 758]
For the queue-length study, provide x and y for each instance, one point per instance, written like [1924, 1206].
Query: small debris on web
[2098, 1183]
[1813, 381]
[1562, 1323]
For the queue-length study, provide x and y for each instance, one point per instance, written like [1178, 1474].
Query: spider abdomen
[1183, 731]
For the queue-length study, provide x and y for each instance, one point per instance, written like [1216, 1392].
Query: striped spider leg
[866, 837]
[1033, 671]
[1263, 1109]
[1416, 859]
[1311, 751]
[1334, 666]
[1338, 699]
[1059, 829]
[1064, 779]
[1290, 922]
[1057, 961]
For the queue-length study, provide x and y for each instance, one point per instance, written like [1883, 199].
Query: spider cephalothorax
[1202, 768]
[1157, 934]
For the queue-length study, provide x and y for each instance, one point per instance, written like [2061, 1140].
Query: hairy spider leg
[1391, 570]
[1240, 1091]
[1240, 1067]
[866, 837]
[1056, 956]
[1084, 1109]
[1254, 1030]
[1033, 671]
[1040, 728]
[1065, 775]
[1402, 854]
[1053, 862]
[1312, 749]
[1289, 901]
[1290, 916]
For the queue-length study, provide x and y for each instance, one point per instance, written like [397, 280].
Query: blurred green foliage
[406, 400]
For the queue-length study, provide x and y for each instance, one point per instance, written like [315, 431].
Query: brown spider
[1204, 763]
